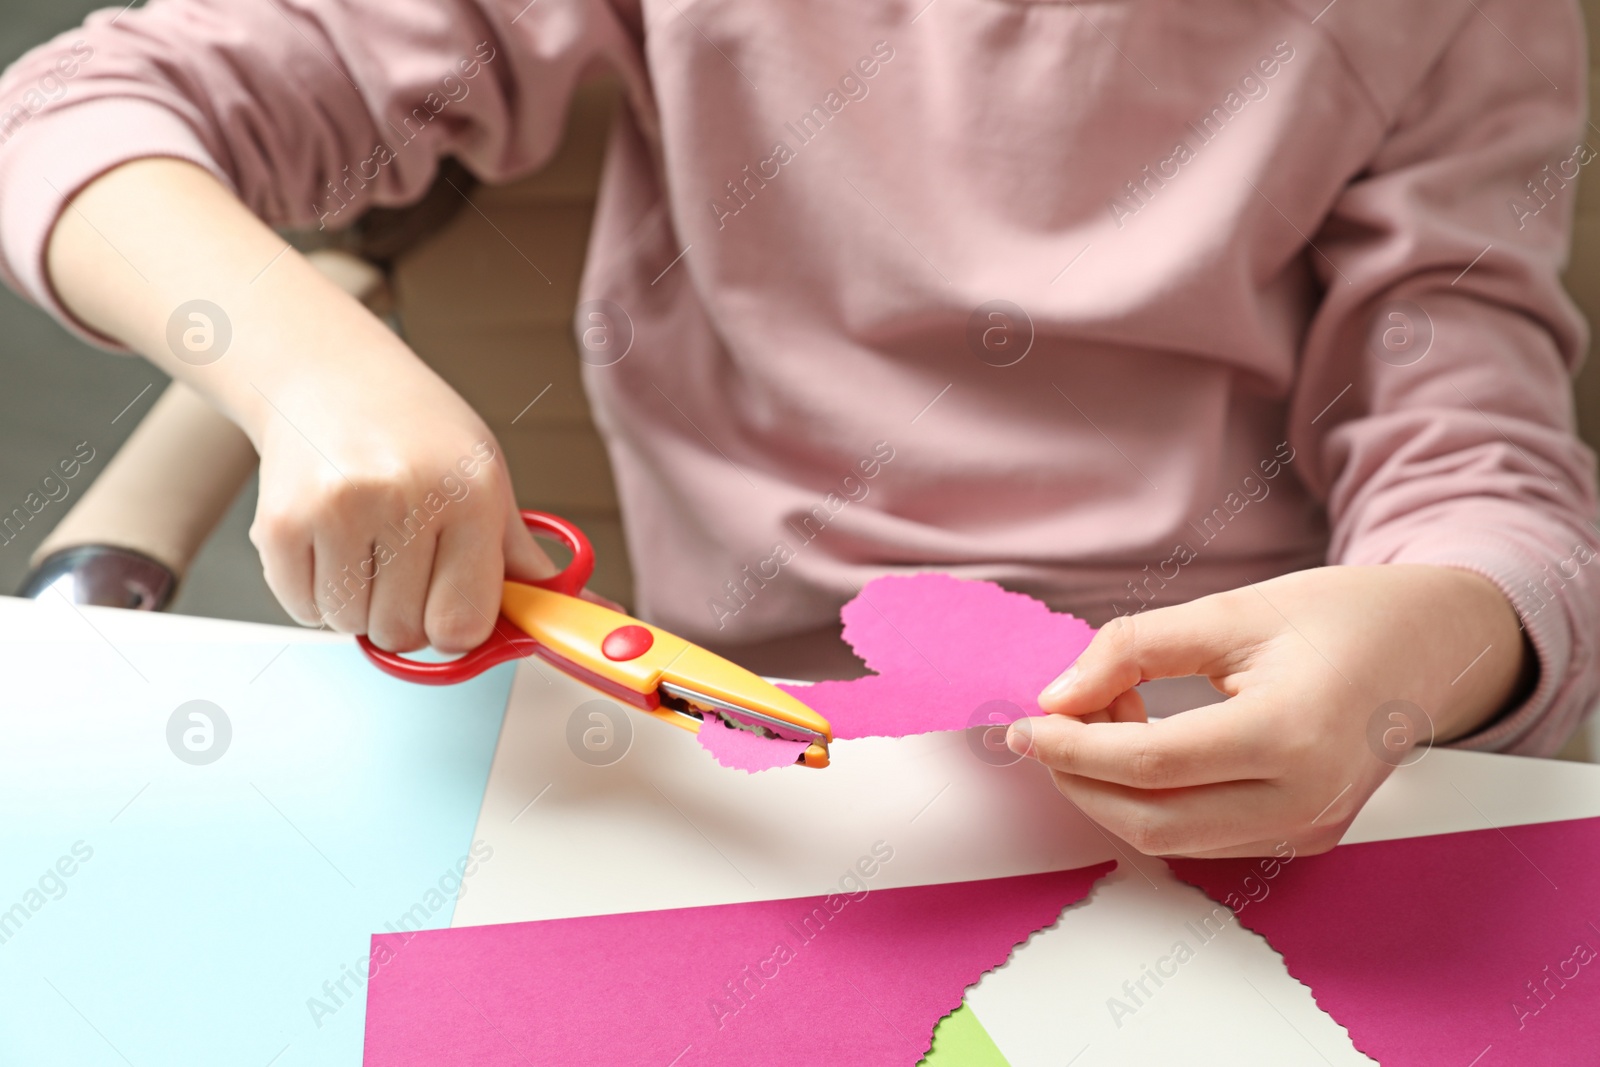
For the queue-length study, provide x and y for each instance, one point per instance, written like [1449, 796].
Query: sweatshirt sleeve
[1434, 401]
[310, 110]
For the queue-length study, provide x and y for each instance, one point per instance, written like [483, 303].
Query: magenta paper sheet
[848, 978]
[947, 654]
[1478, 948]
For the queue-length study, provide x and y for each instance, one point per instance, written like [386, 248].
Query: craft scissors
[642, 665]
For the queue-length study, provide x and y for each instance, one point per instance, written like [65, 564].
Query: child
[1235, 324]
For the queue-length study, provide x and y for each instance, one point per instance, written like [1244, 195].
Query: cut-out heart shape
[948, 654]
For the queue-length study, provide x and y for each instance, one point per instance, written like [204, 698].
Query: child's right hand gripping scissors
[647, 667]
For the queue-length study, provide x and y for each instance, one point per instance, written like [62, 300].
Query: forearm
[153, 235]
[1482, 665]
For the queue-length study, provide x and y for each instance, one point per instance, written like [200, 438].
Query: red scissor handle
[508, 642]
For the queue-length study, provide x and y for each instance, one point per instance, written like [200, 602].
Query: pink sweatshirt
[1117, 303]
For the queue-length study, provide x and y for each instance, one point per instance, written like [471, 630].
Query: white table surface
[665, 827]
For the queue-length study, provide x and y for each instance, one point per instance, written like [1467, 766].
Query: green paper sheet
[961, 1041]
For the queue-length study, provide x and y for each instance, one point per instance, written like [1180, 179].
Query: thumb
[525, 560]
[1193, 638]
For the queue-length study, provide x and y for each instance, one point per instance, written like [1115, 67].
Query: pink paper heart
[949, 654]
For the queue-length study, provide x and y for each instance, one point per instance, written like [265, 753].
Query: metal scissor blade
[740, 717]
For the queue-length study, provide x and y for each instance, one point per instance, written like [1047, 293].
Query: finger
[464, 592]
[1223, 742]
[1284, 848]
[286, 564]
[400, 589]
[525, 561]
[342, 578]
[1233, 852]
[1128, 707]
[1179, 822]
[1205, 636]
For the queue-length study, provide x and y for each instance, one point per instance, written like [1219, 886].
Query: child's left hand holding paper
[1307, 661]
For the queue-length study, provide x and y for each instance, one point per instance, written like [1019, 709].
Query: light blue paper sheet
[219, 913]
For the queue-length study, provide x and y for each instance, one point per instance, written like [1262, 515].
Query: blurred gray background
[59, 391]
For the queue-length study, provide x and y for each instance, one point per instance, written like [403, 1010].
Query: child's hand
[1307, 660]
[399, 522]
[385, 506]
